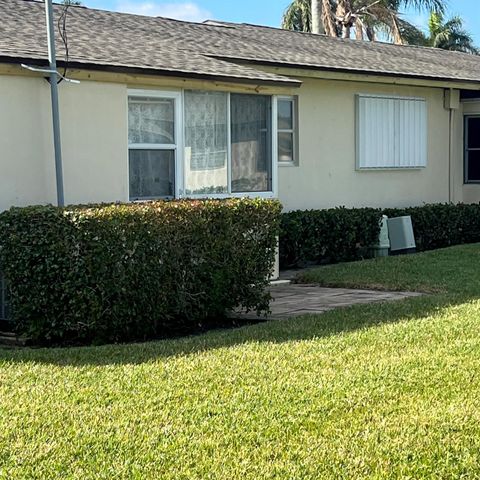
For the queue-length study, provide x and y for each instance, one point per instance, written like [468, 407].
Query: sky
[263, 12]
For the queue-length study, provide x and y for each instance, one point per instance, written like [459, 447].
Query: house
[167, 108]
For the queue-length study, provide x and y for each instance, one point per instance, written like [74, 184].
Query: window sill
[390, 169]
[149, 199]
[287, 164]
[204, 196]
[221, 196]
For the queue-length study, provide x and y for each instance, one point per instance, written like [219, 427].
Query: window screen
[152, 140]
[151, 173]
[251, 130]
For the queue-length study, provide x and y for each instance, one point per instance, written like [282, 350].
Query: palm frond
[438, 6]
[298, 16]
[450, 34]
[368, 19]
[412, 35]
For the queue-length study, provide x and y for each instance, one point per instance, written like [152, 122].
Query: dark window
[251, 143]
[472, 149]
[152, 174]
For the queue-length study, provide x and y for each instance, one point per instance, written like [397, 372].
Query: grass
[450, 270]
[375, 391]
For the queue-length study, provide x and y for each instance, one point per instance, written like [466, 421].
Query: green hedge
[333, 235]
[135, 271]
[442, 225]
[341, 234]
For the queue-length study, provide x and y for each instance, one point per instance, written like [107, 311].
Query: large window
[287, 131]
[391, 132]
[153, 145]
[472, 149]
[201, 143]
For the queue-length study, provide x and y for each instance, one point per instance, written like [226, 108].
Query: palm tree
[449, 35]
[364, 18]
[298, 16]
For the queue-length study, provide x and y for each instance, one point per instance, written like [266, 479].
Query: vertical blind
[391, 132]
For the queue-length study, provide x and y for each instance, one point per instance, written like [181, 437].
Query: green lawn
[374, 391]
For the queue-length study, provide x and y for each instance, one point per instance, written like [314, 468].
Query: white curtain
[206, 142]
[151, 120]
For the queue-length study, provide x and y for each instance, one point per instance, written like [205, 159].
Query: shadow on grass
[335, 322]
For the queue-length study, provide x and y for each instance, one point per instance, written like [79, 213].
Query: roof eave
[132, 70]
[352, 71]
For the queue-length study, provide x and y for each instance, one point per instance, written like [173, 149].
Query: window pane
[285, 114]
[151, 120]
[473, 165]
[205, 142]
[152, 173]
[251, 143]
[473, 132]
[285, 147]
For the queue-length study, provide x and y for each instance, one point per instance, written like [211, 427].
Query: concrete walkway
[291, 300]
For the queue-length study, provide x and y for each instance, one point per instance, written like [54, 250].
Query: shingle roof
[228, 51]
[113, 40]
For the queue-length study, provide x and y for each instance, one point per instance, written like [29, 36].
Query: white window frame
[177, 147]
[466, 150]
[178, 95]
[293, 131]
[363, 168]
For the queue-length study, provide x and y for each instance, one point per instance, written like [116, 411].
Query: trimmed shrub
[341, 234]
[125, 272]
[333, 235]
[442, 225]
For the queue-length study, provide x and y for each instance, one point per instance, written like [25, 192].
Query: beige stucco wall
[94, 142]
[326, 175]
[25, 141]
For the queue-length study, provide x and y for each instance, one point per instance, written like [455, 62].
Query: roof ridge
[352, 40]
[227, 24]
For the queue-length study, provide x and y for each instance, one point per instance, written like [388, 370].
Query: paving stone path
[291, 300]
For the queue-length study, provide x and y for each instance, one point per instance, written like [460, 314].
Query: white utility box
[400, 232]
